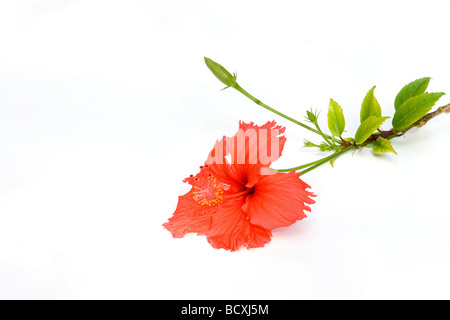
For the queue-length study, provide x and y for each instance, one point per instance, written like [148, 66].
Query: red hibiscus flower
[236, 202]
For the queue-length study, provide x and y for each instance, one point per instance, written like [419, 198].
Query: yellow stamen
[209, 193]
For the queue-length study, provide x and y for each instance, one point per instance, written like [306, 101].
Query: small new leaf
[309, 144]
[370, 106]
[411, 90]
[368, 127]
[325, 147]
[414, 109]
[336, 120]
[383, 146]
[332, 161]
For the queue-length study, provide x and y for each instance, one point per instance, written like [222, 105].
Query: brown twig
[420, 123]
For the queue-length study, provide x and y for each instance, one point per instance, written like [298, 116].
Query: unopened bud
[221, 73]
[311, 116]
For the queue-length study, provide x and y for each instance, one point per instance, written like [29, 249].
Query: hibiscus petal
[254, 144]
[189, 216]
[218, 153]
[251, 144]
[231, 230]
[278, 200]
[237, 176]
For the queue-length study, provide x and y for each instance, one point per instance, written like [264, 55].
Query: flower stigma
[208, 192]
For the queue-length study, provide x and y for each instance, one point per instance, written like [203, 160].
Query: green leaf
[414, 109]
[351, 140]
[382, 146]
[411, 90]
[368, 126]
[336, 120]
[370, 106]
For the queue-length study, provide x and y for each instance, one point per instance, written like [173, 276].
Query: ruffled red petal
[189, 216]
[218, 153]
[250, 145]
[254, 144]
[231, 230]
[278, 200]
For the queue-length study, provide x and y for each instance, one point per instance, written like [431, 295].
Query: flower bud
[221, 73]
[311, 116]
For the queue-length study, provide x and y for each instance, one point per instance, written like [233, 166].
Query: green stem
[315, 164]
[324, 136]
[325, 160]
[258, 102]
[300, 167]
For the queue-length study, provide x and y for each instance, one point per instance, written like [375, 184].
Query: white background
[106, 105]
